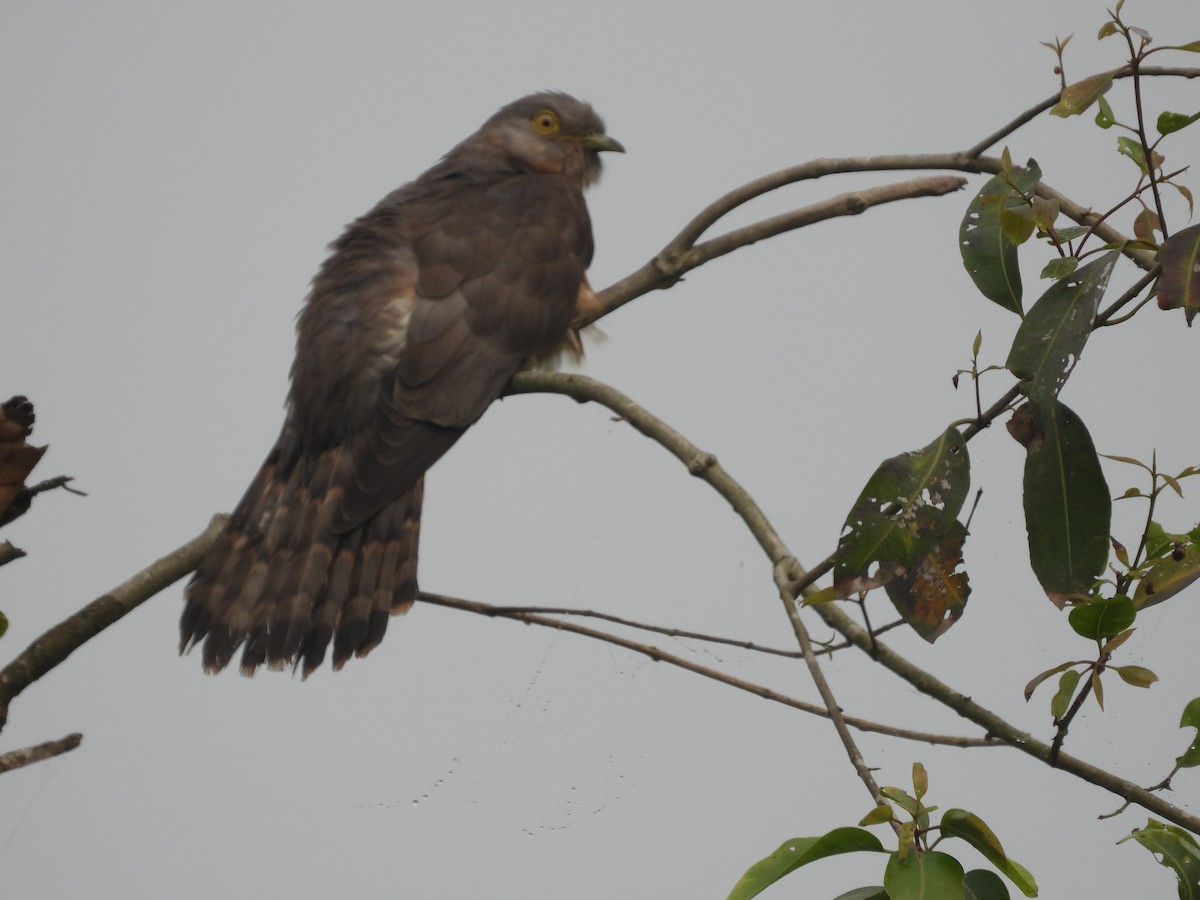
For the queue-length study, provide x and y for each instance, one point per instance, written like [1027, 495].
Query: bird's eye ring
[545, 122]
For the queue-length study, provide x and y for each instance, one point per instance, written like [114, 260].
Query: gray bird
[425, 309]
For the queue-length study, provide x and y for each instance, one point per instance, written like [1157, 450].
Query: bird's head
[552, 133]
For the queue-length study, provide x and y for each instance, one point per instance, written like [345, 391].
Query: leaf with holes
[903, 513]
[1175, 849]
[931, 595]
[1053, 334]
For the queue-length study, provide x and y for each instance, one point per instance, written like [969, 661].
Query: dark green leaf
[928, 487]
[793, 854]
[1066, 499]
[969, 827]
[923, 876]
[864, 893]
[1175, 849]
[989, 256]
[1066, 690]
[1167, 577]
[1191, 719]
[1169, 122]
[1077, 97]
[981, 884]
[1053, 334]
[1104, 116]
[1103, 617]
[3, 624]
[1179, 286]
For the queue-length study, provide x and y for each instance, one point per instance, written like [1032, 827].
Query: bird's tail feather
[281, 583]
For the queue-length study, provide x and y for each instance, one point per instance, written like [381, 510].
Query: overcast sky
[170, 174]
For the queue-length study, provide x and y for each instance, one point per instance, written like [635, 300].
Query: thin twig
[15, 759]
[659, 655]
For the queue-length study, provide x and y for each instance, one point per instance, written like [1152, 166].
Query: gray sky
[170, 174]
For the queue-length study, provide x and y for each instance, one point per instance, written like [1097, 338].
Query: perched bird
[425, 309]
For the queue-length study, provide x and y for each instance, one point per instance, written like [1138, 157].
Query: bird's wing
[498, 275]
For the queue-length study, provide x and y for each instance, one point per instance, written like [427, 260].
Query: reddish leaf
[1179, 286]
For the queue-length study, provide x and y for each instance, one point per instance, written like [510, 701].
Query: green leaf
[1067, 507]
[1103, 617]
[1070, 232]
[793, 854]
[923, 876]
[1052, 336]
[1060, 267]
[1137, 676]
[969, 827]
[1173, 848]
[920, 779]
[3, 624]
[989, 256]
[1104, 117]
[1179, 286]
[1076, 98]
[902, 798]
[1038, 679]
[1170, 122]
[928, 486]
[880, 814]
[864, 893]
[1193, 46]
[1133, 148]
[1168, 576]
[1191, 719]
[1066, 690]
[982, 884]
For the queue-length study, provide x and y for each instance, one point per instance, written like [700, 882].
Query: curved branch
[654, 653]
[784, 564]
[69, 635]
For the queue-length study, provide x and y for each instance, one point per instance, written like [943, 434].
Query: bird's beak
[600, 142]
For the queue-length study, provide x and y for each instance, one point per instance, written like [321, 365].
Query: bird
[423, 311]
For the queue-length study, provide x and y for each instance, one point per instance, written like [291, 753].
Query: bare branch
[998, 727]
[654, 653]
[69, 635]
[789, 573]
[15, 759]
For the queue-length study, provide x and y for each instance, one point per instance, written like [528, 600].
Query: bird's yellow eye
[545, 122]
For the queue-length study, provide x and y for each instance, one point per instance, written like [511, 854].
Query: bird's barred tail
[282, 584]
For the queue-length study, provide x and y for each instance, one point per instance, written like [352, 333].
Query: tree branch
[654, 653]
[67, 636]
[788, 573]
[15, 759]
